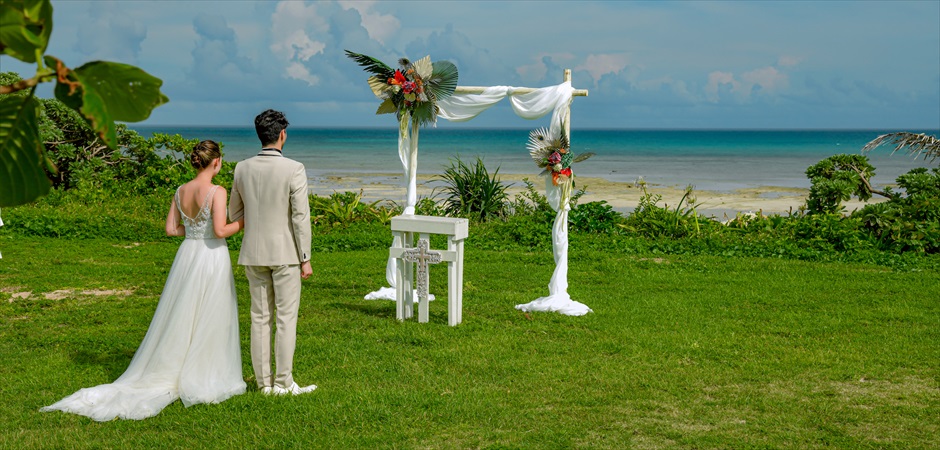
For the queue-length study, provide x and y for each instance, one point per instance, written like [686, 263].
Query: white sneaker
[267, 390]
[294, 389]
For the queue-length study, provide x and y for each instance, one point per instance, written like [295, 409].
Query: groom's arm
[236, 208]
[300, 212]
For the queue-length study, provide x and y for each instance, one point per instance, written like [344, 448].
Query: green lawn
[680, 352]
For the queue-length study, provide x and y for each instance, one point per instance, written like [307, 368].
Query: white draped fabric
[558, 299]
[527, 104]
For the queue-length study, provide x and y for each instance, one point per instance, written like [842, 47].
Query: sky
[695, 64]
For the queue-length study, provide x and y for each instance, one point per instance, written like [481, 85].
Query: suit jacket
[270, 191]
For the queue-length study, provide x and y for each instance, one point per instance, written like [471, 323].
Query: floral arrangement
[554, 155]
[411, 90]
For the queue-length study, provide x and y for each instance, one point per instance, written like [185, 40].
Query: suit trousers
[275, 297]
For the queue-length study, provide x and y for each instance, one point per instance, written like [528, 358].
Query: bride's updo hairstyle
[203, 154]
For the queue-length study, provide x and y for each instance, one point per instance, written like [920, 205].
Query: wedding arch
[403, 94]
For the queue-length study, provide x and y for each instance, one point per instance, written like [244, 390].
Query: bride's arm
[174, 223]
[222, 229]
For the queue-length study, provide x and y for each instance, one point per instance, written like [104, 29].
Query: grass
[680, 352]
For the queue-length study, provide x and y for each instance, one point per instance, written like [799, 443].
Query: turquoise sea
[714, 160]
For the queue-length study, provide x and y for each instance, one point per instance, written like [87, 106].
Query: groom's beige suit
[270, 191]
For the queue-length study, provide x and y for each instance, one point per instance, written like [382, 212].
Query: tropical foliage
[551, 152]
[411, 90]
[470, 191]
[80, 159]
[836, 179]
[100, 92]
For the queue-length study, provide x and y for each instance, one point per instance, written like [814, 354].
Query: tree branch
[867, 184]
[19, 85]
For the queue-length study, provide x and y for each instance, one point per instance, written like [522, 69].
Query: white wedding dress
[191, 350]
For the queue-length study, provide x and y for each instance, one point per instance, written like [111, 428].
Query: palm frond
[563, 140]
[443, 79]
[424, 114]
[916, 144]
[423, 67]
[371, 65]
[539, 138]
[583, 157]
[381, 88]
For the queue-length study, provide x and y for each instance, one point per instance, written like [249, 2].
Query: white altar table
[409, 256]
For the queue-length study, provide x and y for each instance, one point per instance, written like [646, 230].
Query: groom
[270, 192]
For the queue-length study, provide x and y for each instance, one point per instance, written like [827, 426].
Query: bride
[191, 350]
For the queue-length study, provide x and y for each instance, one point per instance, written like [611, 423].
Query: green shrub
[345, 208]
[835, 180]
[471, 192]
[651, 220]
[594, 217]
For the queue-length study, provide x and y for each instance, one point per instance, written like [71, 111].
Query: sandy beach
[621, 196]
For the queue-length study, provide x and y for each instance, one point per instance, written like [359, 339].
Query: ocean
[710, 160]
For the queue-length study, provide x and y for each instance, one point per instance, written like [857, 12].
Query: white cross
[423, 256]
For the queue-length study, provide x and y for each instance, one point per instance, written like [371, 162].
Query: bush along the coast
[909, 221]
[341, 209]
[125, 195]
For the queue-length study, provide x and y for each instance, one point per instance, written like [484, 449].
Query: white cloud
[768, 78]
[599, 65]
[291, 41]
[538, 71]
[718, 80]
[765, 79]
[380, 26]
[298, 71]
[110, 34]
[788, 61]
[301, 46]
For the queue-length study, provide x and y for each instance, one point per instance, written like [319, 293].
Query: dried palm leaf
[423, 67]
[381, 88]
[917, 144]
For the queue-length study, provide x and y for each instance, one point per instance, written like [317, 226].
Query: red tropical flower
[399, 78]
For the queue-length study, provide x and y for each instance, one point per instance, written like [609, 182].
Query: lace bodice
[199, 227]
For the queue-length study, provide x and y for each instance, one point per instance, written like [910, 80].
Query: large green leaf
[387, 107]
[424, 114]
[129, 93]
[443, 80]
[105, 91]
[22, 178]
[25, 27]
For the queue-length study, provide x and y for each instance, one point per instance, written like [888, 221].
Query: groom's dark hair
[269, 124]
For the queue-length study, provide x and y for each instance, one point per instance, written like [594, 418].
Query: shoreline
[622, 196]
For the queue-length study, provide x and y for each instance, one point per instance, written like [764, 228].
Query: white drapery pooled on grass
[528, 105]
[558, 299]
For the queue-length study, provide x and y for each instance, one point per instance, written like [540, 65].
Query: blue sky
[698, 64]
